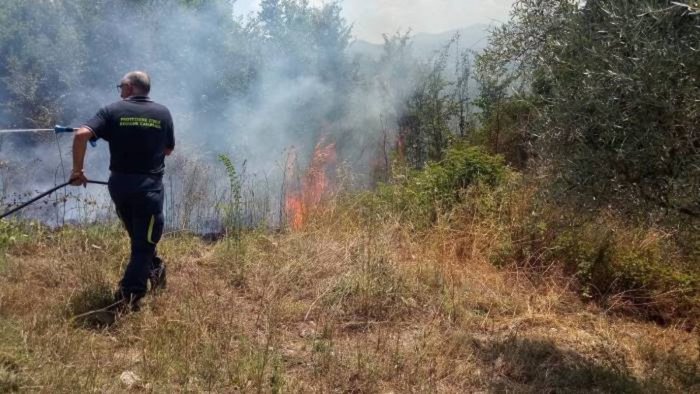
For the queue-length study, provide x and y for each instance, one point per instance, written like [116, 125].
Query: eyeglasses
[121, 85]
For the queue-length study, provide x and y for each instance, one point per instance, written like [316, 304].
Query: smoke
[249, 88]
[370, 18]
[232, 88]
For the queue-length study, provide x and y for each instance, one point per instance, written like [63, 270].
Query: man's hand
[77, 178]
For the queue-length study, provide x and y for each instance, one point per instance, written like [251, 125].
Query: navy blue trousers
[138, 200]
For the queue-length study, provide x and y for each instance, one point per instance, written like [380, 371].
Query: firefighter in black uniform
[140, 135]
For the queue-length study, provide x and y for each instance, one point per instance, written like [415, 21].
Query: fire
[313, 186]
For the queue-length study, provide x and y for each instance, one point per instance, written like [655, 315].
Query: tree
[462, 97]
[616, 84]
[307, 40]
[42, 57]
[425, 100]
[304, 47]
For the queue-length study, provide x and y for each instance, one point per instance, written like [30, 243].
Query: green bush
[634, 267]
[420, 195]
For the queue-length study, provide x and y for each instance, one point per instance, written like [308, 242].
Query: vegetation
[231, 209]
[421, 195]
[343, 305]
[599, 100]
[545, 242]
[615, 85]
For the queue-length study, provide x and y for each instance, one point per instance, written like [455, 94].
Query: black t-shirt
[138, 131]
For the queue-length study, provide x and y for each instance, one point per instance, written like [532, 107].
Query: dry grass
[346, 305]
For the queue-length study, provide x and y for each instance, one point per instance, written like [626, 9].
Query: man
[140, 135]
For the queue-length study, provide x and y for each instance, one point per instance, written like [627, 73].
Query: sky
[371, 18]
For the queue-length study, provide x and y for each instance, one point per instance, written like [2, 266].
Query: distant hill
[425, 44]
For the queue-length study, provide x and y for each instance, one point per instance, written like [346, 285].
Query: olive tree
[616, 83]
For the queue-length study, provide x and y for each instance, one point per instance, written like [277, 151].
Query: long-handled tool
[42, 195]
[57, 129]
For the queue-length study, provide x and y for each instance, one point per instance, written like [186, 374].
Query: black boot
[157, 276]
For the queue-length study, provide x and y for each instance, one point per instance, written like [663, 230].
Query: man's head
[135, 83]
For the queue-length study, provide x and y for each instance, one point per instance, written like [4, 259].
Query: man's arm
[80, 140]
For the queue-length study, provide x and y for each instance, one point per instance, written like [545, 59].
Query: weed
[232, 209]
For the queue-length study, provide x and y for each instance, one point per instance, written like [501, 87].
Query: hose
[42, 195]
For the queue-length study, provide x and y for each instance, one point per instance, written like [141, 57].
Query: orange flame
[313, 187]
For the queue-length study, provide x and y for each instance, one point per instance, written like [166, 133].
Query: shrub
[632, 267]
[421, 195]
[623, 264]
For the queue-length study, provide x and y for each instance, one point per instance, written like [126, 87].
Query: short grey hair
[139, 80]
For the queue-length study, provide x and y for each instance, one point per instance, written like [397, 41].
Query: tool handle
[66, 129]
